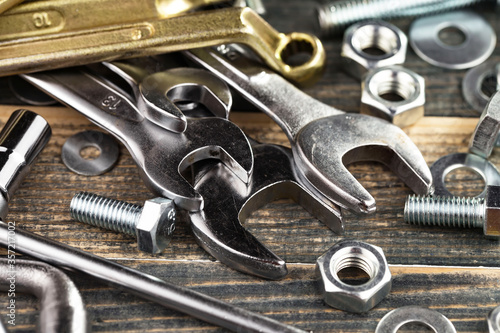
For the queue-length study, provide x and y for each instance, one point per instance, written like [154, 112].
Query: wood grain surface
[456, 272]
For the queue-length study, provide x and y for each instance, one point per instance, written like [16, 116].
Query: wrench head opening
[228, 202]
[324, 147]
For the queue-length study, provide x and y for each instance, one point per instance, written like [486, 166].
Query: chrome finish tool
[162, 145]
[228, 202]
[323, 139]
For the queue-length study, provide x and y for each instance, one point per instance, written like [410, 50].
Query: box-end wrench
[21, 140]
[323, 138]
[141, 37]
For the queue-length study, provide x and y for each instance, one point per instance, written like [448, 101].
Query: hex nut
[395, 81]
[485, 135]
[372, 35]
[356, 254]
[156, 225]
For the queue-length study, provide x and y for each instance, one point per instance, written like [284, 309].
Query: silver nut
[485, 135]
[156, 225]
[362, 38]
[354, 298]
[395, 94]
[494, 320]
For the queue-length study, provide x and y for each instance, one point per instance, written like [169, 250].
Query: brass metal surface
[44, 35]
[7, 4]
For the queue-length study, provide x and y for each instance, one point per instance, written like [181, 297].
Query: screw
[153, 224]
[335, 16]
[457, 212]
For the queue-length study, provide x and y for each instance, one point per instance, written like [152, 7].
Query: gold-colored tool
[6, 4]
[44, 35]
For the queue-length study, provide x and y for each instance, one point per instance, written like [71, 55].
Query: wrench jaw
[325, 146]
[218, 228]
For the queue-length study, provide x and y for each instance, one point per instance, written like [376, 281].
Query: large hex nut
[156, 225]
[363, 37]
[485, 135]
[393, 93]
[354, 298]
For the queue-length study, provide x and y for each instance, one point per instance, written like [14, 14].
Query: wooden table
[455, 272]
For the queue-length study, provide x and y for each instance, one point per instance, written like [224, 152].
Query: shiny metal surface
[434, 320]
[160, 164]
[354, 254]
[61, 305]
[143, 285]
[485, 135]
[108, 153]
[152, 225]
[71, 33]
[157, 93]
[494, 320]
[366, 35]
[446, 164]
[323, 138]
[479, 43]
[472, 84]
[228, 202]
[458, 212]
[393, 80]
[21, 140]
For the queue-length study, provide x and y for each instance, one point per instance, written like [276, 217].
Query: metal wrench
[60, 37]
[323, 138]
[218, 227]
[160, 153]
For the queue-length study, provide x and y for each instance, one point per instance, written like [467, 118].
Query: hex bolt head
[153, 224]
[354, 298]
[485, 135]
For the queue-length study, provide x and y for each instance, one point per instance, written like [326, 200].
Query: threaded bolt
[335, 16]
[456, 212]
[153, 224]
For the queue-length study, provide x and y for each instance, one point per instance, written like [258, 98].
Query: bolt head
[156, 225]
[492, 211]
[354, 298]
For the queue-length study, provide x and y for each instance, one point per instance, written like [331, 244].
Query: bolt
[335, 16]
[153, 224]
[457, 212]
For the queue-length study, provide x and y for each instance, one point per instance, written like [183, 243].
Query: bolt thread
[334, 17]
[106, 213]
[458, 212]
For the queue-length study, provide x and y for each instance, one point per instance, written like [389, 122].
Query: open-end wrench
[323, 138]
[51, 34]
[228, 202]
[160, 153]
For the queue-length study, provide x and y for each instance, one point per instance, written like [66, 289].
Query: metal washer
[448, 163]
[480, 40]
[472, 82]
[109, 152]
[395, 319]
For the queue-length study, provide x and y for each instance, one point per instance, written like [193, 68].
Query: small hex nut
[362, 37]
[485, 135]
[491, 223]
[156, 225]
[395, 94]
[356, 254]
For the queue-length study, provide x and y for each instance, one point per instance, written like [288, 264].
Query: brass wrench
[160, 154]
[323, 138]
[61, 33]
[228, 202]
